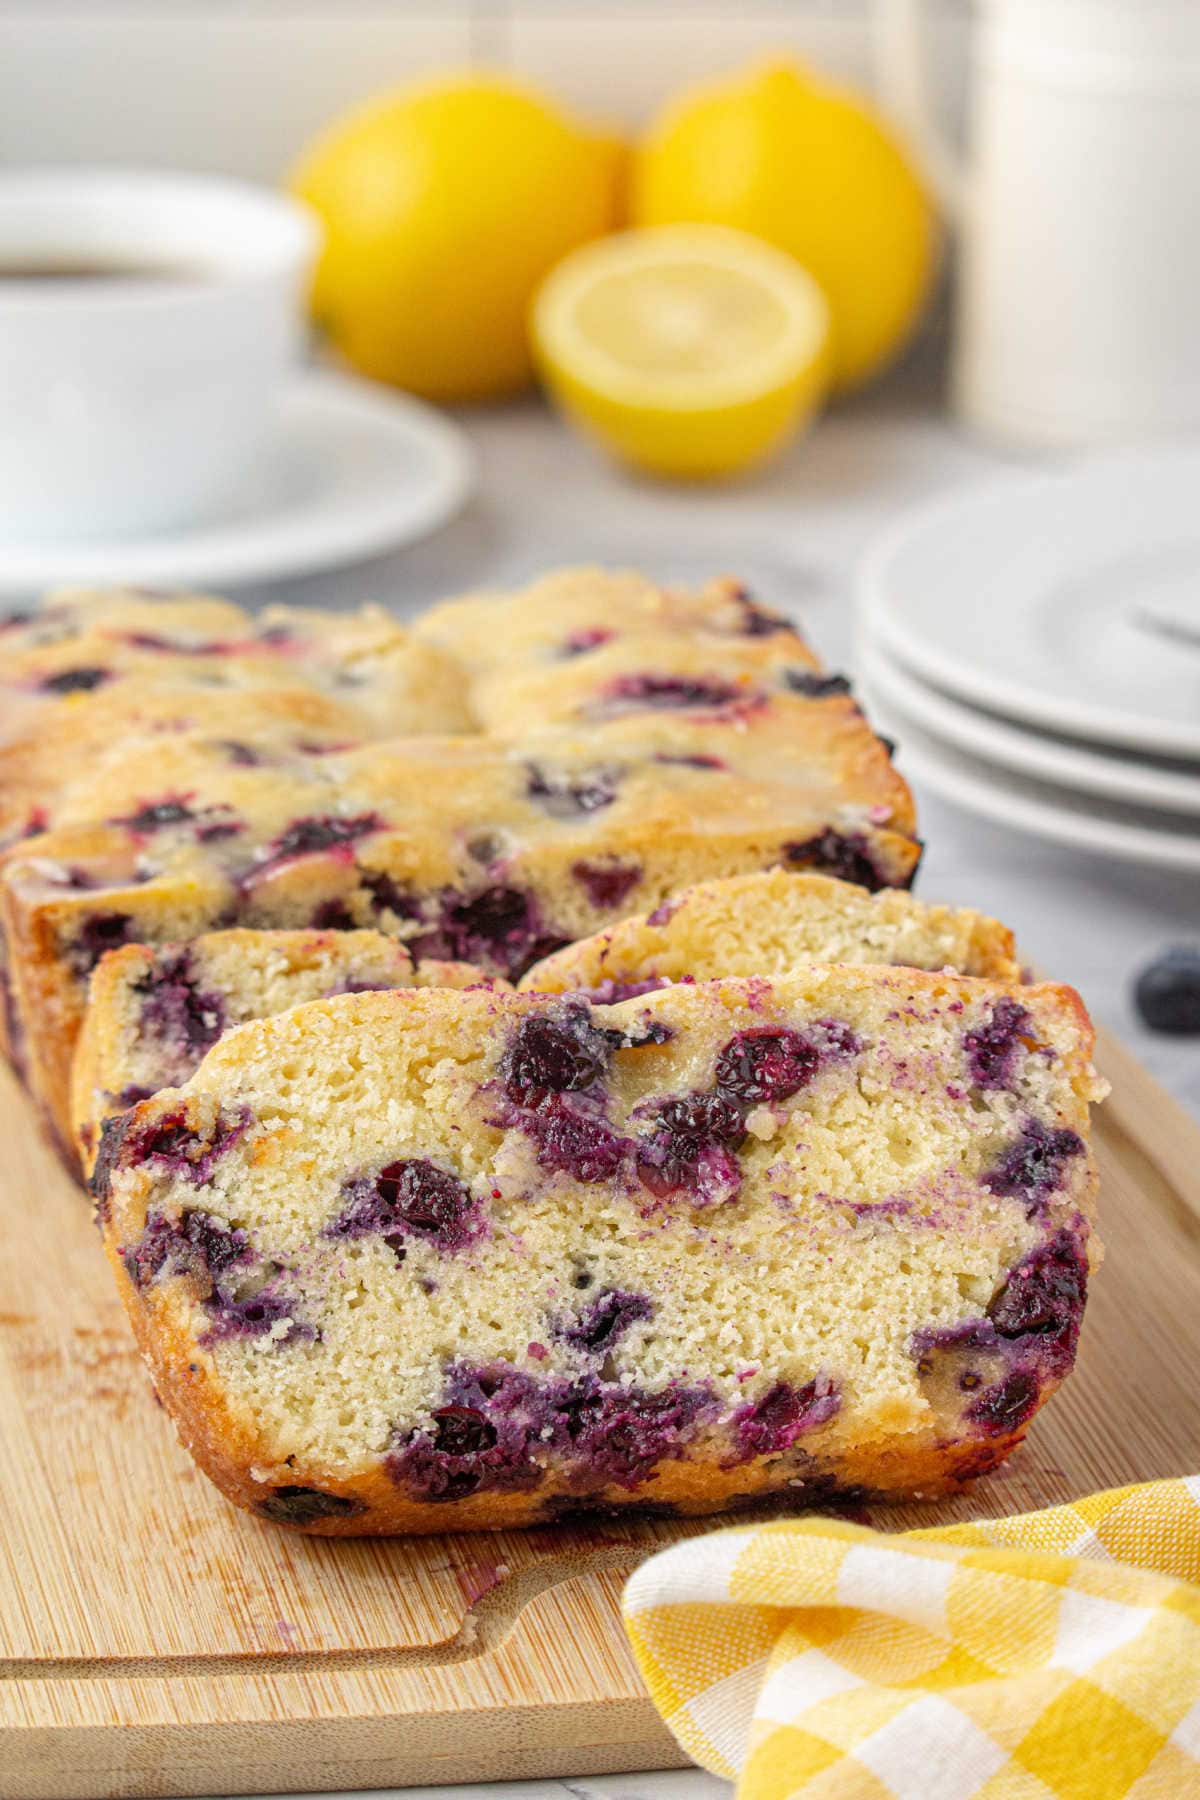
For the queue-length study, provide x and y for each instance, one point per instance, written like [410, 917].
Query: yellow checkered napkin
[1051, 1656]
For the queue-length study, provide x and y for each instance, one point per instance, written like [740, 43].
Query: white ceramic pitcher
[1079, 208]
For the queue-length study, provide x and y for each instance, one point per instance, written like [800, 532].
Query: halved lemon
[691, 351]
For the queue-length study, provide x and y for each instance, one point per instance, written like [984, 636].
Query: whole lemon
[444, 205]
[815, 171]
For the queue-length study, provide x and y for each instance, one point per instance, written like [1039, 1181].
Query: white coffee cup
[1078, 318]
[136, 403]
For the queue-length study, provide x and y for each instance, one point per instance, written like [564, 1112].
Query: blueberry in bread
[768, 923]
[468, 848]
[153, 1013]
[425, 1261]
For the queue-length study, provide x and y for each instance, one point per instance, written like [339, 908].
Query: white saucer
[1027, 752]
[1117, 832]
[1063, 601]
[360, 470]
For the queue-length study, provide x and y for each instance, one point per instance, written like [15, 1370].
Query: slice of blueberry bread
[769, 923]
[420, 1261]
[153, 1013]
[468, 849]
[572, 612]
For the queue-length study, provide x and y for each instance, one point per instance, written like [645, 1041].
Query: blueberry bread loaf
[153, 1013]
[422, 1261]
[769, 923]
[467, 848]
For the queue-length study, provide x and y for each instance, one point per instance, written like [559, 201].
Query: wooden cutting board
[153, 1641]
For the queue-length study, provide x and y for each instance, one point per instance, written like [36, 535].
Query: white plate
[1116, 832]
[1107, 774]
[1037, 598]
[360, 469]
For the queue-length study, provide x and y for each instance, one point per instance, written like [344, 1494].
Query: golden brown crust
[375, 1506]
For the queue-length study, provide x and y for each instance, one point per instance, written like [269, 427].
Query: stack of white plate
[1034, 648]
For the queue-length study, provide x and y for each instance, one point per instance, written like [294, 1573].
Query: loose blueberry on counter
[1167, 992]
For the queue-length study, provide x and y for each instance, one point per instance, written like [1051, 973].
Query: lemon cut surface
[690, 351]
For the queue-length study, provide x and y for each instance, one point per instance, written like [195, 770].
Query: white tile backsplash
[202, 89]
[240, 85]
[623, 62]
